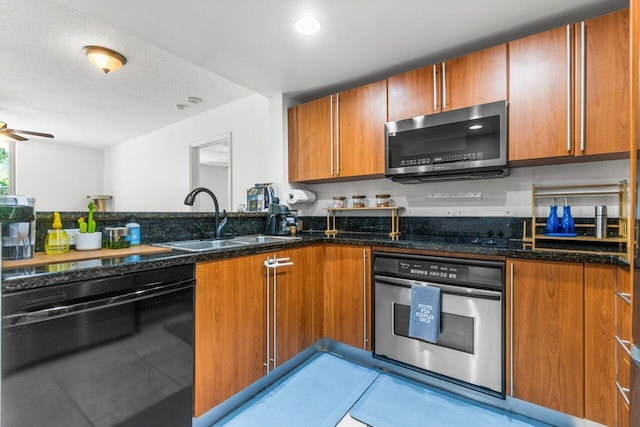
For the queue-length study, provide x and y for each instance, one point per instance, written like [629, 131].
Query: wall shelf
[531, 237]
[332, 231]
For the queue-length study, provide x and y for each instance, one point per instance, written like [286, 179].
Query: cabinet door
[548, 342]
[414, 93]
[606, 120]
[292, 132]
[477, 78]
[298, 302]
[540, 95]
[314, 140]
[599, 343]
[229, 329]
[347, 294]
[362, 115]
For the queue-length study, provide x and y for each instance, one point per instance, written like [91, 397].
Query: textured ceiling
[221, 50]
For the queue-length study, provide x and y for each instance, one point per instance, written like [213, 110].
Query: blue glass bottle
[566, 224]
[553, 222]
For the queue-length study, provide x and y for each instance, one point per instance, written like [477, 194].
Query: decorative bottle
[57, 240]
[553, 222]
[566, 224]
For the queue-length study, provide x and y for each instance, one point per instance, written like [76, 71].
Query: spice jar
[358, 201]
[338, 201]
[383, 200]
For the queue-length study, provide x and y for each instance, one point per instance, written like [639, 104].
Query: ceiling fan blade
[13, 136]
[28, 132]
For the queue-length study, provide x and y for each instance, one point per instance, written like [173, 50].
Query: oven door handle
[450, 289]
[52, 313]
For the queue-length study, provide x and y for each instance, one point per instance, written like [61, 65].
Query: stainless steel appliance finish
[469, 143]
[110, 351]
[470, 347]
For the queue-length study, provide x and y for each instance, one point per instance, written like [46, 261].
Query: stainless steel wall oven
[470, 348]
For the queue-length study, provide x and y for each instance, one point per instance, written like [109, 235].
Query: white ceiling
[222, 50]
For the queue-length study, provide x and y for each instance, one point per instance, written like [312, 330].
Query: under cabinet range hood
[469, 143]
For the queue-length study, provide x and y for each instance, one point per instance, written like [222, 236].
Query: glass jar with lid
[338, 201]
[383, 200]
[358, 201]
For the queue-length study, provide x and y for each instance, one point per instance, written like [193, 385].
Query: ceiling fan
[13, 133]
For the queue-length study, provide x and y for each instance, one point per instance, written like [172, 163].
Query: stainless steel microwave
[469, 143]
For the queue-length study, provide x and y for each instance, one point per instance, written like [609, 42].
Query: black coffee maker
[277, 219]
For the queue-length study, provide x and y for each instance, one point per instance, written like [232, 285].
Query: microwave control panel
[442, 158]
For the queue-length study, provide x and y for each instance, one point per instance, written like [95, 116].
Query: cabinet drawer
[623, 282]
[623, 367]
[623, 319]
[623, 411]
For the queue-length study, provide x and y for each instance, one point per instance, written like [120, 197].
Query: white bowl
[88, 241]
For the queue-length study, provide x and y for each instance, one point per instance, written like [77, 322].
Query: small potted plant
[88, 238]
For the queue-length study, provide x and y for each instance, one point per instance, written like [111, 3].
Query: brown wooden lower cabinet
[599, 343]
[347, 294]
[231, 324]
[563, 324]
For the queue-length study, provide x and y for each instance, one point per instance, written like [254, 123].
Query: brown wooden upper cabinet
[473, 79]
[339, 136]
[568, 90]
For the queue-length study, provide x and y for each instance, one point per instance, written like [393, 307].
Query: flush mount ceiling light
[106, 59]
[476, 126]
[307, 25]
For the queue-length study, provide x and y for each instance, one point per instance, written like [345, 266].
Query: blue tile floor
[327, 389]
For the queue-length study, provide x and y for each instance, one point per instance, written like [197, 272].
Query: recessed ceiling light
[194, 100]
[307, 25]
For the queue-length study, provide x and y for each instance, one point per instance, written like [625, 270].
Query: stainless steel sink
[212, 245]
[203, 245]
[257, 239]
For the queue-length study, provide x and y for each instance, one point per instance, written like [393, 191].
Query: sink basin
[203, 245]
[212, 245]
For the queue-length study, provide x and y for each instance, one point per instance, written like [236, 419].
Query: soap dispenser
[57, 241]
[566, 224]
[553, 222]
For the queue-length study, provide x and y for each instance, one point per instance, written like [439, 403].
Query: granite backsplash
[157, 227]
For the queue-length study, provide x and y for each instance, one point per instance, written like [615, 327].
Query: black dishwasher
[114, 351]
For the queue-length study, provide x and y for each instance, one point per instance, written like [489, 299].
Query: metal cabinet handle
[569, 109]
[435, 88]
[624, 392]
[624, 296]
[268, 316]
[444, 87]
[331, 136]
[272, 265]
[337, 134]
[583, 86]
[512, 274]
[364, 297]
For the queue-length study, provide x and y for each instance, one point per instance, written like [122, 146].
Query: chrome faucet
[190, 199]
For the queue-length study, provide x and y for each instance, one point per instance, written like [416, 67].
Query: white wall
[510, 196]
[151, 172]
[60, 177]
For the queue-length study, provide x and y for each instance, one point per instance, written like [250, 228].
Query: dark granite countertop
[25, 278]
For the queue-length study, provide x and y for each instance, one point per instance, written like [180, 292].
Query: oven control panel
[433, 270]
[446, 270]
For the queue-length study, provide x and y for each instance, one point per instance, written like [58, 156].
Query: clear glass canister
[383, 200]
[338, 201]
[358, 201]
